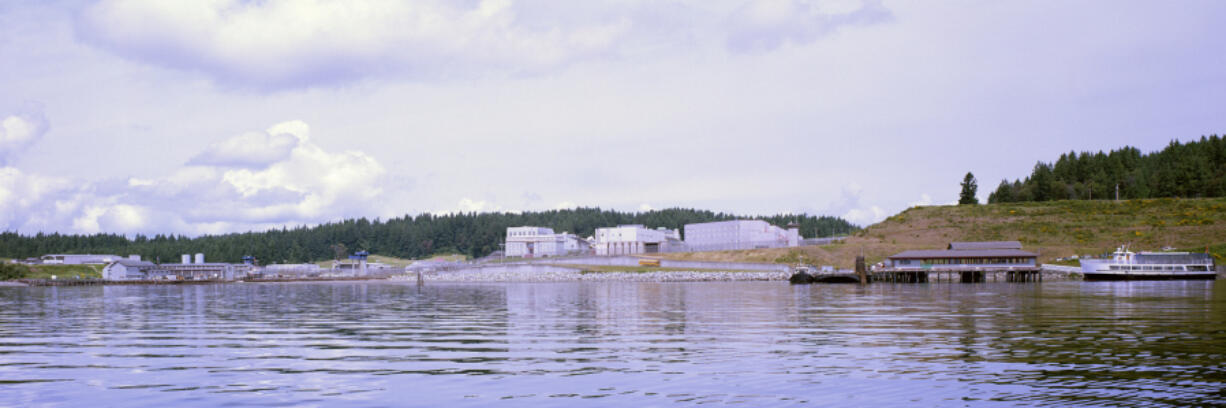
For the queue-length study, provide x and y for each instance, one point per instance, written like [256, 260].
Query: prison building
[201, 270]
[535, 242]
[132, 268]
[79, 259]
[739, 234]
[636, 239]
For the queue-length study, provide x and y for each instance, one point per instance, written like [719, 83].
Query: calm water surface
[1137, 344]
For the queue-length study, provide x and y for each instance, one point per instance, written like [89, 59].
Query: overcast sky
[223, 115]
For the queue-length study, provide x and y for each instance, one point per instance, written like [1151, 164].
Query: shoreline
[526, 275]
[578, 276]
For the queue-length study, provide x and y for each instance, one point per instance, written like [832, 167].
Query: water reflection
[753, 344]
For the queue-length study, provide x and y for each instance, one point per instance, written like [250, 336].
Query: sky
[217, 116]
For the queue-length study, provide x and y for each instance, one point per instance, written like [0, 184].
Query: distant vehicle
[1127, 265]
[649, 262]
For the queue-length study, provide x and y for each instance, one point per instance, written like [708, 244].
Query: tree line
[1193, 169]
[472, 234]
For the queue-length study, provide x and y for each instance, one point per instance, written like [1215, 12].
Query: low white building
[635, 239]
[290, 270]
[79, 259]
[131, 269]
[739, 234]
[202, 271]
[535, 242]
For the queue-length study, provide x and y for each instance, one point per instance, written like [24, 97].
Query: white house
[130, 269]
[739, 234]
[635, 239]
[535, 242]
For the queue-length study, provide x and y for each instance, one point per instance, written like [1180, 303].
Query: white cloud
[865, 216]
[23, 194]
[309, 185]
[111, 218]
[467, 205]
[850, 205]
[289, 43]
[19, 131]
[763, 25]
[924, 200]
[286, 43]
[255, 149]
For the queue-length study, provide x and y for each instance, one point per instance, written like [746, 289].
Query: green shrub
[10, 271]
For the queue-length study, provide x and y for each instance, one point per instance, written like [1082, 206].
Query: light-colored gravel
[567, 276]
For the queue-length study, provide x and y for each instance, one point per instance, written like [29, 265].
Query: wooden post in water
[861, 270]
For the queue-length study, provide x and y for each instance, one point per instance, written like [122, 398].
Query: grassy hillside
[1054, 229]
[10, 271]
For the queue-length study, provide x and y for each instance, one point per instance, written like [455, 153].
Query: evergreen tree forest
[1193, 170]
[472, 234]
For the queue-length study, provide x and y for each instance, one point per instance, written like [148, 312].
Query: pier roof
[975, 253]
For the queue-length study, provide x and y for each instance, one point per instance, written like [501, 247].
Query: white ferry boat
[1127, 265]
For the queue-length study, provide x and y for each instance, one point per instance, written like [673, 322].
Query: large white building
[79, 259]
[536, 242]
[738, 234]
[635, 239]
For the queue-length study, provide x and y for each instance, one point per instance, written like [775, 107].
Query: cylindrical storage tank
[199, 258]
[187, 258]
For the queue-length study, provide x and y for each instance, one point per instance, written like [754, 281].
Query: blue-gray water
[1142, 344]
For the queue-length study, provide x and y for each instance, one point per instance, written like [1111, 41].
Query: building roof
[966, 246]
[135, 263]
[973, 253]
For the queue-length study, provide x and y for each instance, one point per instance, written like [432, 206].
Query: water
[1133, 344]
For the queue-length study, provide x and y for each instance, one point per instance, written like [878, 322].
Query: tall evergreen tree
[969, 188]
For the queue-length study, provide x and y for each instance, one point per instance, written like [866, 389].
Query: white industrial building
[79, 259]
[290, 270]
[536, 242]
[636, 239]
[739, 234]
[132, 268]
[200, 270]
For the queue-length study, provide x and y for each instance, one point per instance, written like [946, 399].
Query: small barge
[1128, 265]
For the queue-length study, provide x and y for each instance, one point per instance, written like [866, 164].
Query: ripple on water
[616, 343]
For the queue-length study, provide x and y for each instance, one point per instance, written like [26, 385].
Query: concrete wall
[513, 268]
[668, 263]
